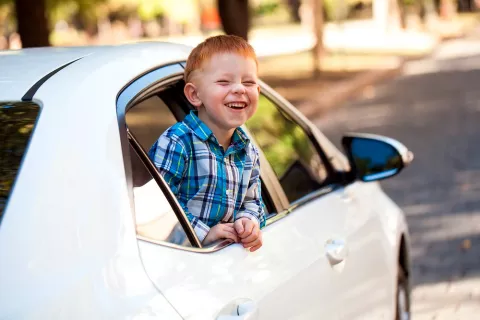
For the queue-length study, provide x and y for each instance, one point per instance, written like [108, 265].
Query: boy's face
[227, 91]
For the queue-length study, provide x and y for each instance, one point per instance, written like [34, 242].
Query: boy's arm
[169, 156]
[252, 206]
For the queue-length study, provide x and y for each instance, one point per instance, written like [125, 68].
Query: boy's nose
[238, 88]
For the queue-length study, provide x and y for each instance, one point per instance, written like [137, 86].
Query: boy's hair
[214, 45]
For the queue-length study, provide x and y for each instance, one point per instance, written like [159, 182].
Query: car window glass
[288, 149]
[148, 120]
[154, 217]
[17, 121]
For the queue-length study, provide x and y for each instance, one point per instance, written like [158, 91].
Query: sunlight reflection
[453, 300]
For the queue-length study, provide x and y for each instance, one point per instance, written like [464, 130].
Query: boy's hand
[249, 233]
[221, 231]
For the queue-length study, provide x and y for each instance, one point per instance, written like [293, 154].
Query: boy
[207, 159]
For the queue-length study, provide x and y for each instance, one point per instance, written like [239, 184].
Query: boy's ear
[191, 93]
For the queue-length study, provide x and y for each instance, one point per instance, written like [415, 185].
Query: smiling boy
[207, 159]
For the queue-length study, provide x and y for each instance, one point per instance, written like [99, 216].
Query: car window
[149, 119]
[17, 121]
[155, 219]
[288, 149]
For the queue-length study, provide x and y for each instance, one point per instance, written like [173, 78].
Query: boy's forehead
[220, 61]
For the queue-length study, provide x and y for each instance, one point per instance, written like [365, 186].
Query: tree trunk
[386, 14]
[318, 49]
[235, 17]
[447, 9]
[293, 8]
[32, 23]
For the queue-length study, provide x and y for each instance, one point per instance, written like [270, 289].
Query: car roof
[22, 69]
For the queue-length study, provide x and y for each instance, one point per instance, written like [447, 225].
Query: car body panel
[21, 69]
[287, 278]
[82, 246]
[371, 270]
[371, 229]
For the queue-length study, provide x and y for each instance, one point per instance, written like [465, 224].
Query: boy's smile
[225, 93]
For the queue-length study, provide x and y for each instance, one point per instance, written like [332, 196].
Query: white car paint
[68, 229]
[68, 247]
[286, 278]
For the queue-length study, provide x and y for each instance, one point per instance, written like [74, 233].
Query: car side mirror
[373, 157]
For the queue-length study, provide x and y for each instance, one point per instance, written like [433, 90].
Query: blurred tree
[318, 22]
[235, 17]
[33, 18]
[448, 9]
[294, 7]
[32, 23]
[386, 13]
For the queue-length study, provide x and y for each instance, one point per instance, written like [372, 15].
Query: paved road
[434, 109]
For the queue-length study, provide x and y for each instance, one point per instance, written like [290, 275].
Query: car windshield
[17, 121]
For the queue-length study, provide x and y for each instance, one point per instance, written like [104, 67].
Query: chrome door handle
[240, 309]
[345, 197]
[336, 251]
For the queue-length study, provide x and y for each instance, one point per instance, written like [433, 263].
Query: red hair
[215, 45]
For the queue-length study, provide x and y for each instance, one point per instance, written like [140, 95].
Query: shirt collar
[198, 126]
[239, 139]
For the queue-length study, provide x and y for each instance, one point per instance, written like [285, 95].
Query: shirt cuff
[200, 228]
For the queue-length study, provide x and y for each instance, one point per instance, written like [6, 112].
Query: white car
[90, 230]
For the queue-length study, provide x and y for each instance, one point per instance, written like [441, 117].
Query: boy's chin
[232, 124]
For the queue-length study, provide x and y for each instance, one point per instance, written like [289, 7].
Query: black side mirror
[374, 157]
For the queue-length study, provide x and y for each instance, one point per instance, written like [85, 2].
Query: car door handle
[346, 197]
[336, 251]
[240, 309]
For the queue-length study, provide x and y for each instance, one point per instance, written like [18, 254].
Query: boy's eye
[223, 82]
[249, 83]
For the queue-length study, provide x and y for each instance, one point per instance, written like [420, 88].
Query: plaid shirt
[212, 185]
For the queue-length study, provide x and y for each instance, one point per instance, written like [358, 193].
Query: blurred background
[408, 69]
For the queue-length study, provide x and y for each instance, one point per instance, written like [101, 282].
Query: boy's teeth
[235, 105]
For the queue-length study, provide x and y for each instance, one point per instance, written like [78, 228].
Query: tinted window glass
[17, 121]
[154, 217]
[289, 150]
[148, 120]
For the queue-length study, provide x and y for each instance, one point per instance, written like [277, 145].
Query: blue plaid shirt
[212, 185]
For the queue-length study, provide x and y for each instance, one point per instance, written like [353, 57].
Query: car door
[294, 275]
[366, 285]
[369, 279]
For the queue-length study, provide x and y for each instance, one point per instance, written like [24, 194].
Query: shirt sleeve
[169, 156]
[252, 206]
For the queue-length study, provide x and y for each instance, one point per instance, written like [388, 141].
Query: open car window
[151, 117]
[147, 120]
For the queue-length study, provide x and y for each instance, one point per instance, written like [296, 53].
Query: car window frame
[150, 83]
[271, 186]
[161, 77]
[130, 94]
